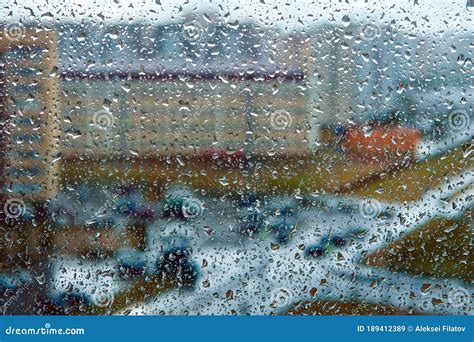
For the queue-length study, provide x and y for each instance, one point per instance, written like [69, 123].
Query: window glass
[234, 158]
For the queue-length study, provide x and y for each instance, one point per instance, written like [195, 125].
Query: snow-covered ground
[257, 275]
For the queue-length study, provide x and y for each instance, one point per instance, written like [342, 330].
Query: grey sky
[436, 16]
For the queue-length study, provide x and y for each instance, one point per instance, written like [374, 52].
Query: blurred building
[144, 91]
[29, 113]
[180, 89]
[191, 88]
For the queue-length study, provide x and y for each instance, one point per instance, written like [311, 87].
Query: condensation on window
[236, 158]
